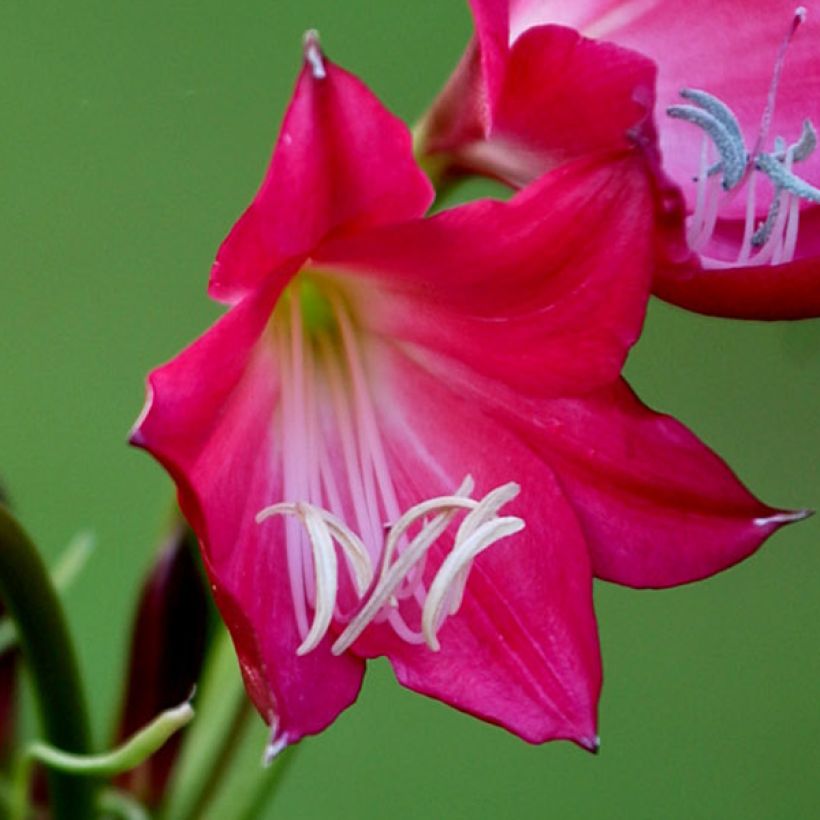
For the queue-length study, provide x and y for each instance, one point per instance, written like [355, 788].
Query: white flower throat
[726, 166]
[384, 552]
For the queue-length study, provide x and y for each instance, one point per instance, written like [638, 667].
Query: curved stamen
[479, 529]
[321, 527]
[462, 554]
[459, 499]
[392, 579]
[486, 510]
[785, 179]
[718, 109]
[762, 234]
[776, 236]
[805, 146]
[732, 151]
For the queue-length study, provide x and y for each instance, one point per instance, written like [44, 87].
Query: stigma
[346, 567]
[728, 167]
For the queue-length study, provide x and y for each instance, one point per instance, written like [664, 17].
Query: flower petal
[657, 506]
[545, 293]
[522, 651]
[727, 48]
[341, 160]
[208, 420]
[789, 291]
[560, 96]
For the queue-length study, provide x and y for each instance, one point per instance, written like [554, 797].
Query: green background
[132, 135]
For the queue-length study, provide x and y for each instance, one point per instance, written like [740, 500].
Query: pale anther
[396, 530]
[393, 573]
[730, 147]
[785, 179]
[483, 512]
[321, 527]
[805, 146]
[463, 553]
[717, 108]
[480, 528]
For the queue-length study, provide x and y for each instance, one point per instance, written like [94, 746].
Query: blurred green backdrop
[132, 135]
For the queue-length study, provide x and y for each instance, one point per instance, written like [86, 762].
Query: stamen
[371, 450]
[486, 535]
[294, 546]
[350, 451]
[718, 109]
[792, 228]
[762, 234]
[732, 151]
[776, 236]
[805, 146]
[458, 499]
[484, 512]
[321, 527]
[313, 54]
[785, 179]
[479, 530]
[394, 573]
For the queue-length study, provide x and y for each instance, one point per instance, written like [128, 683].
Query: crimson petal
[341, 161]
[208, 421]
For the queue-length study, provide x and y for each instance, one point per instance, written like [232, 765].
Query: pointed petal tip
[136, 438]
[276, 745]
[591, 744]
[312, 51]
[781, 518]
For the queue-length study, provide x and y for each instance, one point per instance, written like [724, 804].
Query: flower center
[340, 491]
[727, 166]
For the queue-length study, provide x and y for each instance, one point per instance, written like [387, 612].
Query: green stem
[69, 565]
[32, 603]
[130, 754]
[120, 804]
[222, 708]
[268, 785]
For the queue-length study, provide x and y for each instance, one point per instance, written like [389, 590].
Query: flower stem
[33, 605]
[222, 707]
[125, 757]
[107, 765]
[69, 565]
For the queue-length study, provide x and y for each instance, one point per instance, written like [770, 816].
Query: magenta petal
[209, 421]
[552, 97]
[788, 291]
[522, 651]
[658, 507]
[341, 161]
[565, 96]
[545, 293]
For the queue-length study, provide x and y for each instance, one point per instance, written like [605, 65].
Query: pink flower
[525, 97]
[407, 436]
